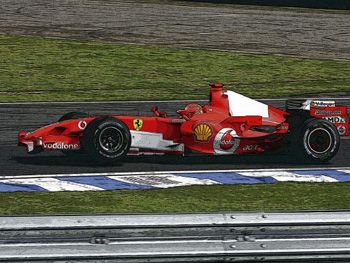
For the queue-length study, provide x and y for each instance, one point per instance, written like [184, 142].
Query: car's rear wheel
[106, 140]
[318, 141]
[73, 116]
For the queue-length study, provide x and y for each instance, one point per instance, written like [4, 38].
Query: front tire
[106, 140]
[318, 141]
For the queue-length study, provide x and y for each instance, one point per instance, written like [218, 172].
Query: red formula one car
[229, 124]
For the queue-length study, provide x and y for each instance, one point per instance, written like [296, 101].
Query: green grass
[38, 69]
[281, 196]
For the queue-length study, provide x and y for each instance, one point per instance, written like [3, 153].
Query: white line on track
[285, 176]
[163, 180]
[6, 177]
[52, 184]
[145, 101]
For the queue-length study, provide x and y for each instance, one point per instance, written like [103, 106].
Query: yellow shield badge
[138, 124]
[202, 132]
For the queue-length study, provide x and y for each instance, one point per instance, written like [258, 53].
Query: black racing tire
[106, 140]
[317, 142]
[73, 116]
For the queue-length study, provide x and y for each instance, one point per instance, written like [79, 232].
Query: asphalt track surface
[307, 33]
[15, 161]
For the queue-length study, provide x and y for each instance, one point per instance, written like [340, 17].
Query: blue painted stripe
[230, 178]
[104, 182]
[21, 188]
[340, 176]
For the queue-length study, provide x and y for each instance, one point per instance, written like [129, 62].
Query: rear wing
[325, 109]
[337, 115]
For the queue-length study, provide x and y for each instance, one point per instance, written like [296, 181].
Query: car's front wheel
[106, 140]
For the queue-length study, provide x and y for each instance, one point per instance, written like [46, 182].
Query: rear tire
[106, 140]
[317, 141]
[73, 116]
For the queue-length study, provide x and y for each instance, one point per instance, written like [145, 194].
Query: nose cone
[24, 141]
[21, 137]
[22, 134]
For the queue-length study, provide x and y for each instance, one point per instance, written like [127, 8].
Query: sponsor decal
[251, 147]
[138, 123]
[202, 132]
[328, 112]
[335, 119]
[226, 141]
[341, 130]
[320, 103]
[60, 146]
[82, 125]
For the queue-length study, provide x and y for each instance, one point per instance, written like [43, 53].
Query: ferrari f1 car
[229, 124]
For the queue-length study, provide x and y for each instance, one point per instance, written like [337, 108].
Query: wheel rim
[320, 140]
[111, 139]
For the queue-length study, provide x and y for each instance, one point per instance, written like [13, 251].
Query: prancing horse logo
[138, 124]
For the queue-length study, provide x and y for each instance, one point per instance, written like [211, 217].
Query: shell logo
[203, 132]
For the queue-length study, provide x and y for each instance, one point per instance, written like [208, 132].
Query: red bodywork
[212, 129]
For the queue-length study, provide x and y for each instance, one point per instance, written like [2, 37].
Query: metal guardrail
[225, 237]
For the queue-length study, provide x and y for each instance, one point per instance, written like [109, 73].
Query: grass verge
[39, 69]
[280, 196]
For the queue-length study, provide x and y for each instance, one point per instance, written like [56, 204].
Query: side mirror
[183, 114]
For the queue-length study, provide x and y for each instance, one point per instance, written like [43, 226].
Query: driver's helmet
[193, 109]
